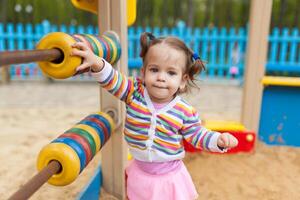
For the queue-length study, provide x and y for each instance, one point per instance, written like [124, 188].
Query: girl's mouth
[160, 87]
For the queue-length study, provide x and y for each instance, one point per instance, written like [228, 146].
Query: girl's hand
[227, 141]
[90, 60]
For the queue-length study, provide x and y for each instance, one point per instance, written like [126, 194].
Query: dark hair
[194, 64]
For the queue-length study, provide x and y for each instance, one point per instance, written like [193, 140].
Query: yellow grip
[92, 6]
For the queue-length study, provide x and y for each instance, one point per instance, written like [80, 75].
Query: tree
[160, 13]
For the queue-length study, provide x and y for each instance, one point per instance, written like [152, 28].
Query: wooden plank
[112, 16]
[260, 15]
[103, 16]
[5, 76]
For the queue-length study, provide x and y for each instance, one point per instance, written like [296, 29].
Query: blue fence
[222, 49]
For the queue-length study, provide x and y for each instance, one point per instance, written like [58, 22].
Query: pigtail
[145, 41]
[196, 67]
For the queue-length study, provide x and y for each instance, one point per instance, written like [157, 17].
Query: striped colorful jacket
[156, 135]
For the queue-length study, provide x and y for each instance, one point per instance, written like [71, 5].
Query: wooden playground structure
[258, 93]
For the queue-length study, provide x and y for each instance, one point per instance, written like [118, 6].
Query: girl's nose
[161, 77]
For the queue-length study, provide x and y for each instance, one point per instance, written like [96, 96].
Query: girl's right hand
[90, 60]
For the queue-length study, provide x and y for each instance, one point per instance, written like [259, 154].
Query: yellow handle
[281, 81]
[92, 6]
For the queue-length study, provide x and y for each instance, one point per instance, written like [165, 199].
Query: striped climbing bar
[53, 52]
[61, 161]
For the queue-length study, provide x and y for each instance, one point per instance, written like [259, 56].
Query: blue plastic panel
[92, 189]
[280, 116]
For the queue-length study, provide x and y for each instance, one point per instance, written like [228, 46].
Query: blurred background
[158, 13]
[33, 111]
[216, 29]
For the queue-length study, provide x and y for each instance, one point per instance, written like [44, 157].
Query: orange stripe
[137, 123]
[121, 89]
[159, 128]
[186, 109]
[131, 87]
[159, 141]
[138, 147]
[138, 137]
[140, 107]
[112, 84]
[163, 130]
[170, 120]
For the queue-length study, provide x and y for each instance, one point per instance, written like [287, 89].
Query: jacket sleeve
[115, 82]
[197, 135]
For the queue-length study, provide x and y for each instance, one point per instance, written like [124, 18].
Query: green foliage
[221, 13]
[162, 13]
[55, 11]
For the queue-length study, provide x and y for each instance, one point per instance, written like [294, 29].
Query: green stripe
[86, 135]
[136, 113]
[204, 141]
[135, 128]
[91, 41]
[110, 48]
[170, 151]
[174, 137]
[167, 125]
[119, 82]
[194, 141]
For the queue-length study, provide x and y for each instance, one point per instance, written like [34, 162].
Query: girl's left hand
[227, 141]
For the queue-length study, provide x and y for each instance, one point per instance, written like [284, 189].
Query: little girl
[157, 118]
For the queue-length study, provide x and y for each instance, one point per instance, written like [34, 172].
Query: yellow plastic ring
[68, 159]
[92, 132]
[63, 42]
[100, 49]
[115, 50]
[108, 117]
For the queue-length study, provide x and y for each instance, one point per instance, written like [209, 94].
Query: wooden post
[112, 16]
[5, 74]
[260, 15]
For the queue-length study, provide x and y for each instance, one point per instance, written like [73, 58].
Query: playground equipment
[254, 113]
[61, 161]
[92, 6]
[270, 104]
[112, 16]
[54, 52]
[246, 138]
[260, 13]
[279, 118]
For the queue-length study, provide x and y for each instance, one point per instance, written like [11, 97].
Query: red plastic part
[101, 125]
[246, 142]
[81, 140]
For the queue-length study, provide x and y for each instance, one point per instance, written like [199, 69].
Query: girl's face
[163, 72]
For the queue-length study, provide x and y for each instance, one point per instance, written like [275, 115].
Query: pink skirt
[174, 185]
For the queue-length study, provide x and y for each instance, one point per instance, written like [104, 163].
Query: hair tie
[150, 37]
[195, 56]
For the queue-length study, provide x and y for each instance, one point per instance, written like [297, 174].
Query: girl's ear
[143, 73]
[183, 82]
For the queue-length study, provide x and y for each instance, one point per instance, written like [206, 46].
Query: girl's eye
[153, 70]
[172, 73]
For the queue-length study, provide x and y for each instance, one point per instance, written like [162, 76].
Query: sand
[34, 113]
